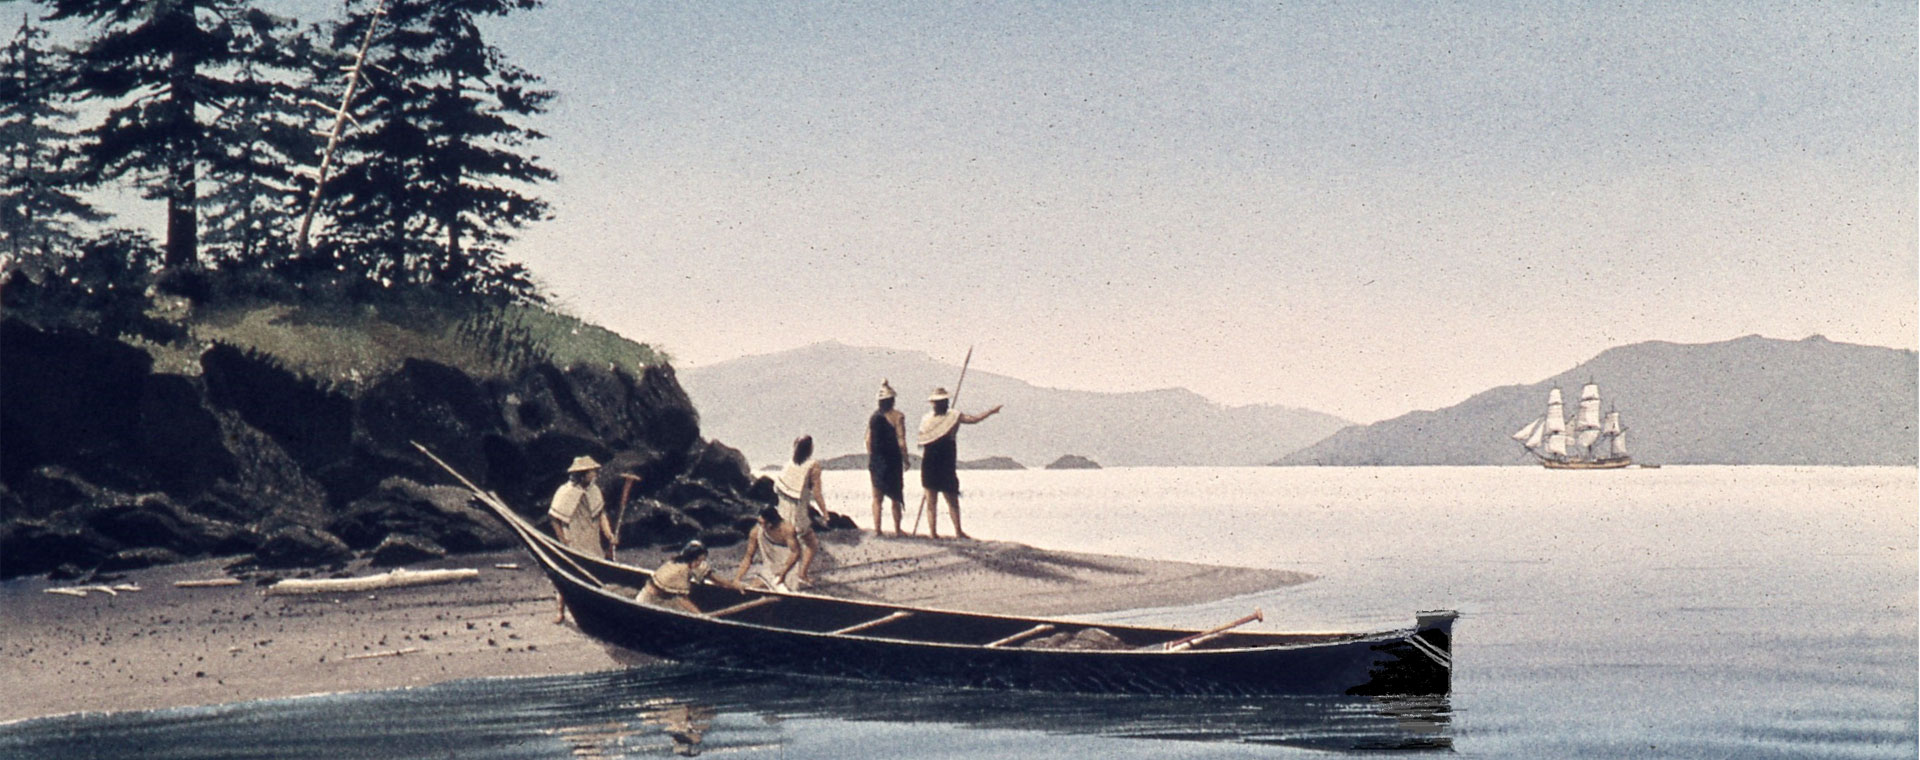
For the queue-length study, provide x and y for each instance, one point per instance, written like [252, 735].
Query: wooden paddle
[620, 516]
[1197, 638]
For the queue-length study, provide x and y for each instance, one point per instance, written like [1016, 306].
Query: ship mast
[1586, 423]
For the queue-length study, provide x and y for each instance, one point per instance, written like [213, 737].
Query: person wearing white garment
[798, 488]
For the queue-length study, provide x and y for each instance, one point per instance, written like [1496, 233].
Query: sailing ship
[1587, 442]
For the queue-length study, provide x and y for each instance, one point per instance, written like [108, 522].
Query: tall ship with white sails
[1589, 441]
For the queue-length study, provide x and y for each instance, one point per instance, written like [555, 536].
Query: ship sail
[1620, 444]
[1530, 431]
[1557, 444]
[1556, 412]
[1588, 437]
[1589, 415]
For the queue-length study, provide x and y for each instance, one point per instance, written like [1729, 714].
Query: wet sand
[164, 646]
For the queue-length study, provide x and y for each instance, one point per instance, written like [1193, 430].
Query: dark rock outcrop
[111, 462]
[301, 546]
[1073, 462]
[396, 550]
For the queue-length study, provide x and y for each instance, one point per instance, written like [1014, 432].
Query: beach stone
[837, 521]
[720, 537]
[47, 490]
[156, 520]
[710, 512]
[443, 514]
[301, 546]
[658, 525]
[722, 465]
[761, 492]
[399, 550]
[32, 546]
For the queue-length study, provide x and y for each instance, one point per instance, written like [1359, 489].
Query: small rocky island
[1073, 462]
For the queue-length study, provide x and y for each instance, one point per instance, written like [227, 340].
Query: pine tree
[168, 70]
[39, 205]
[435, 178]
[265, 132]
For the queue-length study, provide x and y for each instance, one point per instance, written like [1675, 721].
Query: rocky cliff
[107, 462]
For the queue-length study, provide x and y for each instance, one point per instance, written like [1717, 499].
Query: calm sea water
[1710, 612]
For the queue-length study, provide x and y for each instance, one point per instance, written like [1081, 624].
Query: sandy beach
[166, 646]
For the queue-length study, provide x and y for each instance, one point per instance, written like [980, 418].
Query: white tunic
[581, 510]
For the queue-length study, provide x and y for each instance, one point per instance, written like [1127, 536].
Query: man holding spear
[939, 453]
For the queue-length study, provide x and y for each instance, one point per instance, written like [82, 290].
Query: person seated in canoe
[797, 486]
[774, 543]
[672, 583]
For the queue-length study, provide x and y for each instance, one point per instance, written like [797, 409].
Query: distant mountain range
[1751, 400]
[758, 404]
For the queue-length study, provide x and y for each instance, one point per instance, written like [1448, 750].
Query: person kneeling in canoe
[772, 539]
[672, 583]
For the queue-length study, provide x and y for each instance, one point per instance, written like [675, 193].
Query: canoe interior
[810, 613]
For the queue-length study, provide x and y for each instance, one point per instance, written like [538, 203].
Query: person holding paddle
[939, 458]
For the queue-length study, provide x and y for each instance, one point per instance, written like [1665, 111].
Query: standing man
[887, 457]
[579, 516]
[939, 459]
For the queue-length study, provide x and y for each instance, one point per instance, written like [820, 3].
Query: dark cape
[885, 460]
[938, 464]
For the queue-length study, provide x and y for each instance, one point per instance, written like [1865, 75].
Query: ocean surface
[1684, 612]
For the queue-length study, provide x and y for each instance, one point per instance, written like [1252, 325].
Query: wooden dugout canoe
[820, 635]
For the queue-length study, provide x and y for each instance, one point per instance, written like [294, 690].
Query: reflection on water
[687, 711]
[683, 724]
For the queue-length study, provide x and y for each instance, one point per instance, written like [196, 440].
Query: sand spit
[167, 646]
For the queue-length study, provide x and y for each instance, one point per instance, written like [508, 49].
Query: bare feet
[562, 620]
[958, 534]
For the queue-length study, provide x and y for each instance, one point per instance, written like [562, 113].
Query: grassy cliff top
[353, 344]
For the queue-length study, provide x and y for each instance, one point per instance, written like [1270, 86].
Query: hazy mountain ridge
[760, 403]
[1750, 400]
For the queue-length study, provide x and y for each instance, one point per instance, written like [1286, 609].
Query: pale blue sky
[1363, 208]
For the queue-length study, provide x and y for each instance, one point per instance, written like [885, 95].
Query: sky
[1362, 208]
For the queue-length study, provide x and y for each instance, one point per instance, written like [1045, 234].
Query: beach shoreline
[166, 646]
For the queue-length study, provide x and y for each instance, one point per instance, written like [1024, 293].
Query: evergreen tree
[265, 134]
[168, 70]
[435, 180]
[38, 203]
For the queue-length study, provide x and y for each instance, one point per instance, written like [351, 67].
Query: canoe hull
[825, 636]
[1386, 664]
[1586, 464]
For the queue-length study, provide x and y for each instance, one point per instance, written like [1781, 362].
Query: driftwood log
[396, 579]
[208, 583]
